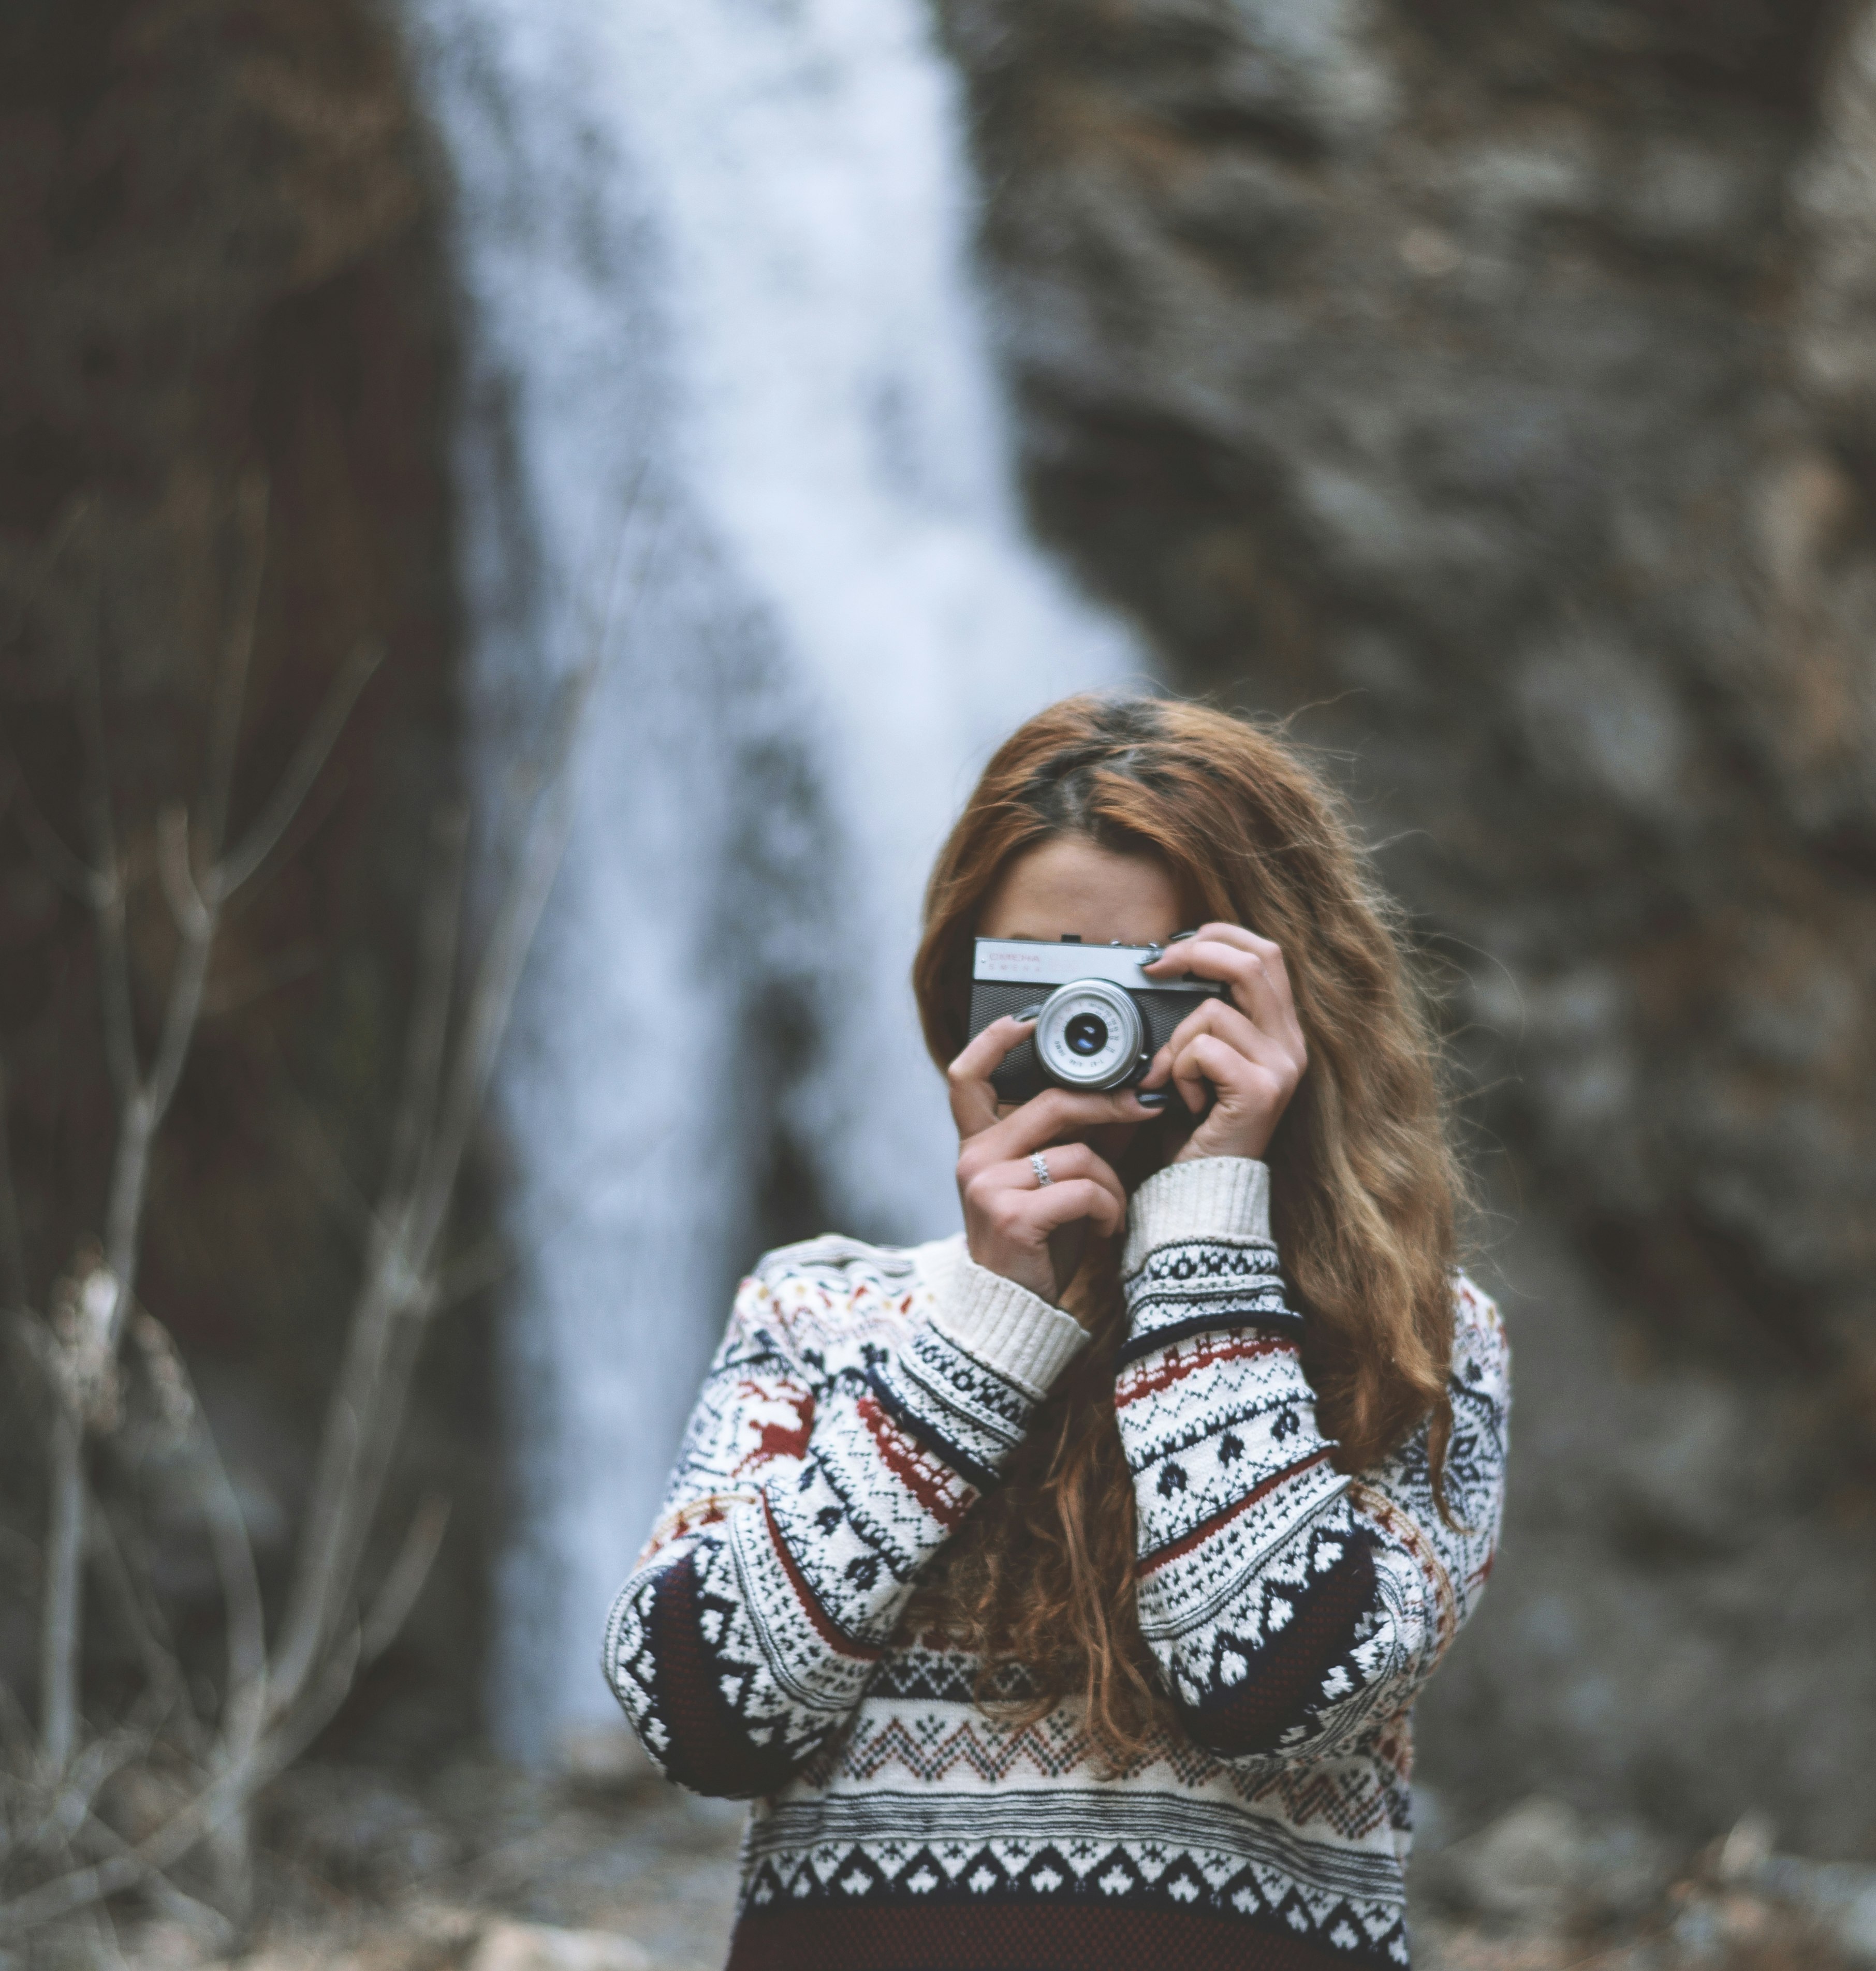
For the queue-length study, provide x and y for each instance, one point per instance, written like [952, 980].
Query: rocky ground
[487, 1869]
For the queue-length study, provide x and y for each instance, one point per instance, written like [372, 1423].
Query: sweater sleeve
[851, 1418]
[1294, 1611]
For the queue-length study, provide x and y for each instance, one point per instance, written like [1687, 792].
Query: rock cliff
[217, 256]
[1490, 391]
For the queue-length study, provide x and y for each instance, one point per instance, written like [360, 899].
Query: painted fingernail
[1157, 1100]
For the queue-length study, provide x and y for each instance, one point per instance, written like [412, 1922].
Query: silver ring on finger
[1040, 1164]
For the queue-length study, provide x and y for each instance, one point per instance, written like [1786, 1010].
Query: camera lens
[1086, 1033]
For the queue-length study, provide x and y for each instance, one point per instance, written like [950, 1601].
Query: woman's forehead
[1072, 887]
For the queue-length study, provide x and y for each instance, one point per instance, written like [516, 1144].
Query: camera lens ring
[1083, 1059]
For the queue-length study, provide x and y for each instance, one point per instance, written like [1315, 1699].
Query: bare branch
[273, 1710]
[69, 1807]
[382, 1413]
[351, 1459]
[184, 900]
[78, 1890]
[78, 1354]
[81, 1888]
[246, 1705]
[142, 1107]
[368, 1400]
[209, 1924]
[180, 1018]
[130, 1170]
[64, 1589]
[143, 1112]
[399, 1291]
[226, 1795]
[273, 821]
[106, 1954]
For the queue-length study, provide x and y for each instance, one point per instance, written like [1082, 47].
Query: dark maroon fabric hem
[1286, 1671]
[709, 1751]
[1039, 1936]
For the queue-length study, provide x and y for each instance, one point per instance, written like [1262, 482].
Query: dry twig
[278, 1696]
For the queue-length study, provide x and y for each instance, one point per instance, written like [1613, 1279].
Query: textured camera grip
[1019, 1077]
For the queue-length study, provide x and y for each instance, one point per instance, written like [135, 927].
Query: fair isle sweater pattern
[861, 1400]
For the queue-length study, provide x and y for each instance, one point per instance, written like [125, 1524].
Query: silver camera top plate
[1021, 961]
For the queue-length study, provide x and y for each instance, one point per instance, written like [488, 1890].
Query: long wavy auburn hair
[1039, 1582]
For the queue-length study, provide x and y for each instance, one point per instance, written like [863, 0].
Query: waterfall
[719, 329]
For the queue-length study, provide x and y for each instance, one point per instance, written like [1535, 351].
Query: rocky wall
[1490, 389]
[218, 260]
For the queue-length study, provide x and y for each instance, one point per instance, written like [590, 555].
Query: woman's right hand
[1013, 1222]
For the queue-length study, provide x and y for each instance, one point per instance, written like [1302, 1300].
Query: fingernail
[1157, 1100]
[1028, 1013]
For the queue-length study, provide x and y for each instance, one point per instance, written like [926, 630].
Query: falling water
[723, 353]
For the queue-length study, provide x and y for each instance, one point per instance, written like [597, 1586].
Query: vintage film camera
[1099, 1019]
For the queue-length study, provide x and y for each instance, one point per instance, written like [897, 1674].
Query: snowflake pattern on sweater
[861, 1400]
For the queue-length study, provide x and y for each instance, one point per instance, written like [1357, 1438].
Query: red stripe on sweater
[835, 1638]
[920, 1473]
[1177, 1363]
[1206, 1528]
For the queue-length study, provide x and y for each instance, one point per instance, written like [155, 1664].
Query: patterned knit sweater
[861, 1401]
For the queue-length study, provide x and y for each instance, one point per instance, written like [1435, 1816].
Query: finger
[1066, 1163]
[1058, 1114]
[1222, 1020]
[1175, 958]
[1189, 1079]
[973, 1097]
[1227, 933]
[1209, 1067]
[1257, 985]
[1007, 1200]
[1251, 966]
[1074, 1201]
[1218, 932]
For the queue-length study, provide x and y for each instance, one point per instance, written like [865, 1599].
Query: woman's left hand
[1245, 1052]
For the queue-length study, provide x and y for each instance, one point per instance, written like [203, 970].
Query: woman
[1060, 1592]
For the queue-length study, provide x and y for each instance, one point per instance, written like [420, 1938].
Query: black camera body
[1099, 1019]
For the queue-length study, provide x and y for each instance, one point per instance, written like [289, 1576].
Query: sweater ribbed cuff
[1219, 1197]
[1005, 1326]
